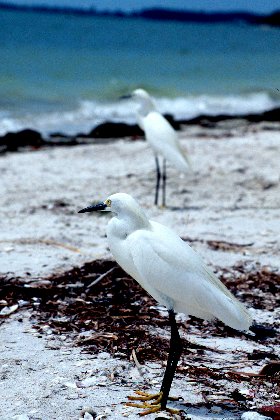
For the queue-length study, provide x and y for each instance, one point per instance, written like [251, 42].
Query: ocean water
[66, 72]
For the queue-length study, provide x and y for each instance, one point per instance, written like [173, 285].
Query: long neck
[147, 105]
[126, 222]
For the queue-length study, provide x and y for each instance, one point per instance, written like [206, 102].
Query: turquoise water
[53, 63]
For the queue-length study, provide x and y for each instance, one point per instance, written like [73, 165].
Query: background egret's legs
[164, 177]
[173, 358]
[158, 180]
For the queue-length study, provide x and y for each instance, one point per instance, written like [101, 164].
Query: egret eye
[108, 203]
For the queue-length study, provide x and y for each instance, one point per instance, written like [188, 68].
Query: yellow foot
[152, 407]
[145, 396]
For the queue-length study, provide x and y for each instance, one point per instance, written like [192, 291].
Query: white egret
[172, 273]
[162, 137]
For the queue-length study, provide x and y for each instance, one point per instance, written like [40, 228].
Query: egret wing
[164, 139]
[174, 274]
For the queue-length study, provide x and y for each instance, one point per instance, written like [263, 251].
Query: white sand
[233, 195]
[47, 379]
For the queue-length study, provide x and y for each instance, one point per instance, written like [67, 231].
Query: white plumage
[168, 268]
[159, 132]
[164, 140]
[161, 136]
[170, 271]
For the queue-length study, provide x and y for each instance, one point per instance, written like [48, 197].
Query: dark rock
[273, 115]
[115, 130]
[13, 141]
[209, 121]
[175, 124]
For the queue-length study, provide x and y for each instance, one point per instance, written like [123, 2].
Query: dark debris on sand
[29, 139]
[100, 296]
[103, 309]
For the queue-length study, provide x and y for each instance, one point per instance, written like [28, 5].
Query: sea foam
[89, 114]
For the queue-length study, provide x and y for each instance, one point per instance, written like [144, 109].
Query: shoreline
[107, 131]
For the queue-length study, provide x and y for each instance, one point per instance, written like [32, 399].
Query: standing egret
[173, 274]
[162, 138]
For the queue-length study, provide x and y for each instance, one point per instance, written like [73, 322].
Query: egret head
[145, 101]
[123, 205]
[141, 95]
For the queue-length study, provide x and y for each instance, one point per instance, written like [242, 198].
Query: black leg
[164, 178]
[173, 358]
[158, 179]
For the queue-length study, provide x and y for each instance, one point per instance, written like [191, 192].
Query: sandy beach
[227, 209]
[79, 87]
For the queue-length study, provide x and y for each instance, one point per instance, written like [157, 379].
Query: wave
[89, 114]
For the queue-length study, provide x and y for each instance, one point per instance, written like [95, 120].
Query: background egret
[162, 138]
[172, 273]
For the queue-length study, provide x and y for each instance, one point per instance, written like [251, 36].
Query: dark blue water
[56, 68]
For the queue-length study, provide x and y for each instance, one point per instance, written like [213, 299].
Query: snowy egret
[162, 138]
[170, 271]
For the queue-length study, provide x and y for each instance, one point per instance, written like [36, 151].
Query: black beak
[95, 207]
[125, 97]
